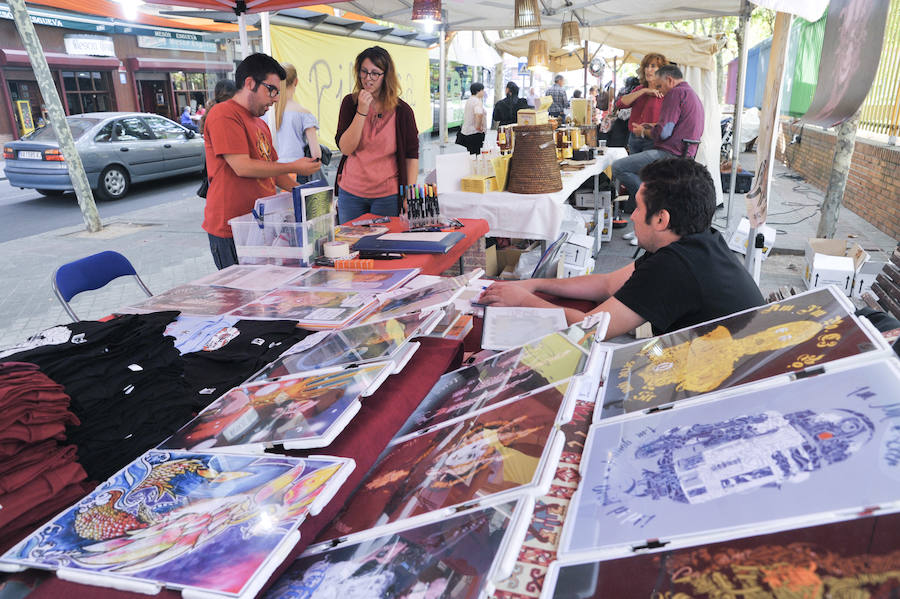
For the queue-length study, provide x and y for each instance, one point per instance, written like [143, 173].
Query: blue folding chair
[89, 273]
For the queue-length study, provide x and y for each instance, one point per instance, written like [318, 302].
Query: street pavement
[168, 248]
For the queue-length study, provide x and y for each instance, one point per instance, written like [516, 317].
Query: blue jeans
[351, 207]
[626, 170]
[223, 251]
[636, 144]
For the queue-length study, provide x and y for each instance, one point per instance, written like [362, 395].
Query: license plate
[23, 154]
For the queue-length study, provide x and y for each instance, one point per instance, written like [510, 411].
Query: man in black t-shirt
[687, 276]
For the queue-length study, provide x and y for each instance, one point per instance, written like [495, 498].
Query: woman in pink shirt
[378, 138]
[645, 102]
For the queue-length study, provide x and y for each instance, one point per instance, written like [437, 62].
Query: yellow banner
[325, 75]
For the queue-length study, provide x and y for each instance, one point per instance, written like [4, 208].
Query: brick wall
[873, 185]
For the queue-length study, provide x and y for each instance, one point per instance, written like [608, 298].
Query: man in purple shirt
[680, 118]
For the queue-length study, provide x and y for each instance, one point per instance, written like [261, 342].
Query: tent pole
[585, 62]
[442, 88]
[57, 115]
[242, 31]
[266, 33]
[742, 32]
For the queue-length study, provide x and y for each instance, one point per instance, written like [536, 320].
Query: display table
[524, 216]
[433, 264]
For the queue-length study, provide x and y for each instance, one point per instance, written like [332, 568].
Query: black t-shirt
[690, 281]
[506, 110]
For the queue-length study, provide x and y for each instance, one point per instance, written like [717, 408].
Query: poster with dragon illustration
[857, 558]
[205, 522]
[353, 345]
[513, 373]
[507, 451]
[454, 558]
[809, 451]
[201, 300]
[297, 412]
[311, 307]
[805, 330]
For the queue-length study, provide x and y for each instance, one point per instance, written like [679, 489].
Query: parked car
[116, 148]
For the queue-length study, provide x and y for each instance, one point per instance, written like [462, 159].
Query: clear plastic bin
[281, 243]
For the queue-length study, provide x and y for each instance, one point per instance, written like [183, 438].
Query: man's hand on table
[512, 293]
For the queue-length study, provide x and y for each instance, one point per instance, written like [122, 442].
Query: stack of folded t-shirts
[39, 474]
[234, 352]
[126, 383]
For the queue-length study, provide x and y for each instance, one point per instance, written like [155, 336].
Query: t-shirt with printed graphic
[231, 129]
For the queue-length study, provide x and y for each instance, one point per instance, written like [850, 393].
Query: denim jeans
[351, 207]
[626, 170]
[223, 251]
[636, 144]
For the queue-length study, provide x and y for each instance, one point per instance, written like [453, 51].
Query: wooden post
[837, 180]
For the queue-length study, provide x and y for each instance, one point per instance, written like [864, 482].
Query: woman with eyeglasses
[294, 128]
[378, 138]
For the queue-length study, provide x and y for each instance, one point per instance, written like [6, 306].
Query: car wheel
[50, 193]
[113, 183]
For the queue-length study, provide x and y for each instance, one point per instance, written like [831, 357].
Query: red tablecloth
[433, 264]
[381, 416]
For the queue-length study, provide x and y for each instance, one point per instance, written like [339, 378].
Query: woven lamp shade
[570, 37]
[528, 15]
[538, 55]
[426, 10]
[533, 167]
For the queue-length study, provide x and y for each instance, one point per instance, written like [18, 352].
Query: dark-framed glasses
[273, 89]
[364, 74]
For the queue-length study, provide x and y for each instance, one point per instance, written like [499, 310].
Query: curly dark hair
[685, 189]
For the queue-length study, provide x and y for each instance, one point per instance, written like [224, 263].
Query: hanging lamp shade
[570, 37]
[426, 11]
[528, 15]
[538, 55]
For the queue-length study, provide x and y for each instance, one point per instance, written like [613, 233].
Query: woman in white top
[294, 127]
[471, 134]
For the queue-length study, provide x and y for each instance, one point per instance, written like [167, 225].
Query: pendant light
[570, 36]
[527, 15]
[538, 55]
[427, 12]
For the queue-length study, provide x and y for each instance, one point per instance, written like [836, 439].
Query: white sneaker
[633, 241]
[628, 236]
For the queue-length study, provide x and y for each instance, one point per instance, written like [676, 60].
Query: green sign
[52, 19]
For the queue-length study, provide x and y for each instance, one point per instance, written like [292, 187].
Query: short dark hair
[224, 90]
[669, 70]
[258, 66]
[512, 89]
[476, 87]
[576, 93]
[685, 189]
[558, 78]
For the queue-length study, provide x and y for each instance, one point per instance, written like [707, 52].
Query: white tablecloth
[524, 216]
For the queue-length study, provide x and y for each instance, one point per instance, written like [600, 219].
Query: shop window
[88, 91]
[100, 82]
[74, 102]
[69, 81]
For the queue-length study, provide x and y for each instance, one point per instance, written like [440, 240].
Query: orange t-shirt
[231, 129]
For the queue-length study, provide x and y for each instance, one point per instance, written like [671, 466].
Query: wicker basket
[533, 167]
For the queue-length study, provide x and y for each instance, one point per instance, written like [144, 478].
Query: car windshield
[78, 125]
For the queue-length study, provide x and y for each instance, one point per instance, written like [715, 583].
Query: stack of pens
[422, 205]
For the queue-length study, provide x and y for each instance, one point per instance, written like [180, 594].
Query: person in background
[645, 102]
[687, 276]
[560, 100]
[293, 127]
[505, 110]
[576, 93]
[378, 138]
[187, 121]
[243, 164]
[472, 131]
[532, 98]
[223, 90]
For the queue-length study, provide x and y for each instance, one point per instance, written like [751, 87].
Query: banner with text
[325, 75]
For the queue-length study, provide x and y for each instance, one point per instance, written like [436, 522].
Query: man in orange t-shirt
[240, 156]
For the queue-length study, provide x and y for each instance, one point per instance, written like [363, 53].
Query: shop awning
[177, 64]
[10, 57]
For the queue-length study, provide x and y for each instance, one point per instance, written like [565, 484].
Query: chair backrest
[91, 272]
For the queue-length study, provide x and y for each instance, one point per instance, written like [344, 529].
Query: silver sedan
[116, 148]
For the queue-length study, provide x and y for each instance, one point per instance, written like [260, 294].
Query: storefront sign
[89, 45]
[141, 30]
[169, 43]
[52, 19]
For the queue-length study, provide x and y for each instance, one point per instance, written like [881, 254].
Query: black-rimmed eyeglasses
[273, 89]
[364, 74]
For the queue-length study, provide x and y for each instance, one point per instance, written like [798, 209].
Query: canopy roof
[636, 40]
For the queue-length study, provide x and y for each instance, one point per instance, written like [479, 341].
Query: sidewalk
[168, 248]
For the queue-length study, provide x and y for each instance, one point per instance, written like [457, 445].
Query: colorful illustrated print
[199, 299]
[325, 308]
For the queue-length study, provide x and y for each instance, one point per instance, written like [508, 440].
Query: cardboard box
[831, 262]
[577, 250]
[567, 271]
[585, 199]
[865, 276]
[529, 116]
[478, 183]
[737, 241]
[498, 262]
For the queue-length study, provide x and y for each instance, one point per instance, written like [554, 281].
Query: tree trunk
[719, 25]
[837, 181]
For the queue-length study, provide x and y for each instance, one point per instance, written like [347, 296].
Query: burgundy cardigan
[407, 135]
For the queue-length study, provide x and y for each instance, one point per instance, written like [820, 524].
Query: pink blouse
[371, 170]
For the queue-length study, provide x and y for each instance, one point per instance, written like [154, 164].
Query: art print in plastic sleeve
[294, 412]
[806, 330]
[421, 299]
[259, 278]
[507, 327]
[498, 452]
[184, 520]
[310, 307]
[857, 558]
[369, 281]
[510, 374]
[198, 299]
[814, 449]
[357, 344]
[449, 559]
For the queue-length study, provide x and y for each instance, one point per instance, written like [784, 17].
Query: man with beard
[240, 156]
